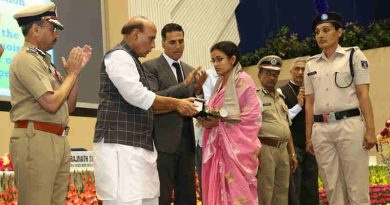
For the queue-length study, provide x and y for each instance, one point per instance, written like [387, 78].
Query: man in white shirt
[125, 157]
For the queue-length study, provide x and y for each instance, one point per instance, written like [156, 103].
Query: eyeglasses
[217, 60]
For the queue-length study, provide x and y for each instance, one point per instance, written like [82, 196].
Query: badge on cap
[364, 64]
[324, 17]
[274, 61]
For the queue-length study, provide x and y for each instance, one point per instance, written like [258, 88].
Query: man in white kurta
[125, 157]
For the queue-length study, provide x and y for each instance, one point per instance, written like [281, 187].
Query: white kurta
[125, 172]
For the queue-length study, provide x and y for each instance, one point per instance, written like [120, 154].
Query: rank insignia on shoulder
[265, 91]
[364, 64]
[312, 73]
[36, 50]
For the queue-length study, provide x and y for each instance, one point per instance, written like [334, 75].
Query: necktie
[178, 72]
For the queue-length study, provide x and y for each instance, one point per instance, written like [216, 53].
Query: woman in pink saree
[230, 144]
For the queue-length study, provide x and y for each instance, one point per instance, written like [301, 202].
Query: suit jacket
[168, 126]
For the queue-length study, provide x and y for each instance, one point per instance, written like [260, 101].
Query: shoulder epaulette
[281, 94]
[36, 50]
[313, 57]
[265, 91]
[349, 48]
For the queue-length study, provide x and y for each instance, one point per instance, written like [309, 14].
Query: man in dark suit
[169, 76]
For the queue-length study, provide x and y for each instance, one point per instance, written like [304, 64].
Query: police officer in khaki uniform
[41, 100]
[277, 155]
[339, 116]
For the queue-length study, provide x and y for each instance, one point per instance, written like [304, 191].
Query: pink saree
[230, 150]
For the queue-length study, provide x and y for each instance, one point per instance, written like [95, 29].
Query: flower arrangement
[379, 187]
[81, 189]
[5, 163]
[384, 134]
[8, 192]
[383, 146]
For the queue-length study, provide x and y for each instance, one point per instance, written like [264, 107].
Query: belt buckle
[65, 132]
[282, 144]
[332, 117]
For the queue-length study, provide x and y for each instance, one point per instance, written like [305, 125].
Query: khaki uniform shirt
[320, 75]
[275, 122]
[31, 76]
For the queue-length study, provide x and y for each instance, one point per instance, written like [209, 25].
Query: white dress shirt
[208, 88]
[292, 112]
[170, 62]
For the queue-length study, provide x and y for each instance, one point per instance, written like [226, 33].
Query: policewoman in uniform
[339, 116]
[41, 100]
[277, 154]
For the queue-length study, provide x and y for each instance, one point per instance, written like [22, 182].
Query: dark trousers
[177, 173]
[303, 188]
[198, 161]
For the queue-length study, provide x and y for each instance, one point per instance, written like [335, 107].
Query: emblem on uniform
[36, 50]
[32, 50]
[324, 17]
[267, 104]
[312, 73]
[274, 61]
[364, 64]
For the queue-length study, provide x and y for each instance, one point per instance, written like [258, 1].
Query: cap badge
[324, 17]
[274, 61]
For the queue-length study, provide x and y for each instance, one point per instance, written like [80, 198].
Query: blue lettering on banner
[4, 74]
[7, 33]
[17, 2]
[12, 47]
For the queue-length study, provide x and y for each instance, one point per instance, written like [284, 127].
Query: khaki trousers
[273, 176]
[41, 162]
[342, 160]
